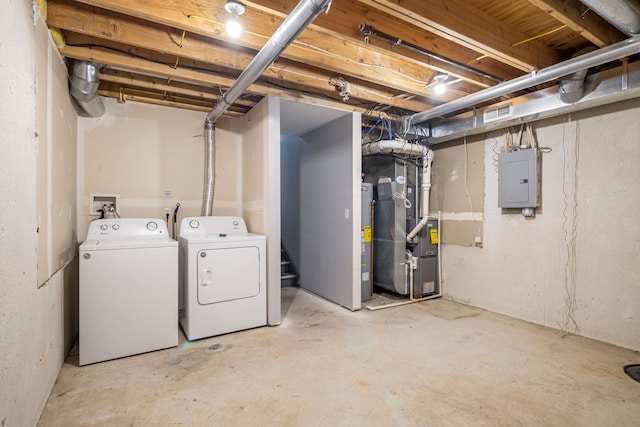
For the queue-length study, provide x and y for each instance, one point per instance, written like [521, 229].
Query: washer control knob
[86, 256]
[104, 227]
[235, 222]
[116, 226]
[152, 226]
[194, 223]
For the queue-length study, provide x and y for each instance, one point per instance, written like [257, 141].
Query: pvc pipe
[426, 191]
[601, 56]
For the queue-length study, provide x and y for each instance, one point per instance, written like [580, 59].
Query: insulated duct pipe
[299, 18]
[83, 86]
[622, 14]
[394, 146]
[610, 53]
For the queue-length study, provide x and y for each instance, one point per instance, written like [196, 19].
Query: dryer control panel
[218, 226]
[123, 228]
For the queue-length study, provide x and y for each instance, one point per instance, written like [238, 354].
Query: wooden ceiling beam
[85, 20]
[190, 76]
[462, 23]
[162, 86]
[313, 48]
[589, 25]
[124, 97]
[346, 15]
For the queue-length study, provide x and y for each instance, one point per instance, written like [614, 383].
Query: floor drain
[633, 371]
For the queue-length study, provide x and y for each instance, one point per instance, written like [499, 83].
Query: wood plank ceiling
[177, 53]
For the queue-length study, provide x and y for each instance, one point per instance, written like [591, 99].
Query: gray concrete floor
[436, 363]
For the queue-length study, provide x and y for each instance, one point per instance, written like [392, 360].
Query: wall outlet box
[97, 201]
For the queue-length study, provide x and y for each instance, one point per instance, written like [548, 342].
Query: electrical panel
[518, 179]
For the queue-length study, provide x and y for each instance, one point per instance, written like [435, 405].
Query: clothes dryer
[223, 275]
[128, 289]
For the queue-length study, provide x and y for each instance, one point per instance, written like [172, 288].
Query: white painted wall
[139, 151]
[580, 253]
[261, 189]
[37, 323]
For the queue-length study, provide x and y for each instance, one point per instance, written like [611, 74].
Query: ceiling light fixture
[235, 9]
[440, 86]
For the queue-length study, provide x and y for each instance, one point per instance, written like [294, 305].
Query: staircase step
[284, 267]
[287, 280]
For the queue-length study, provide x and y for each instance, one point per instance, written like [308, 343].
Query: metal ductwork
[83, 86]
[403, 147]
[622, 14]
[299, 18]
[601, 56]
[572, 87]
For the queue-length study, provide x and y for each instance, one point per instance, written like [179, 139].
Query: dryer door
[228, 274]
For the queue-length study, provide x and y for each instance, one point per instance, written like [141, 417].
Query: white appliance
[223, 275]
[128, 289]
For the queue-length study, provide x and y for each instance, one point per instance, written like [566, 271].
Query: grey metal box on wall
[518, 179]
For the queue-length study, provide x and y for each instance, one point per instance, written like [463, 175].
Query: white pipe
[601, 56]
[426, 191]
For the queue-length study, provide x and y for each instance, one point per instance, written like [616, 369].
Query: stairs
[288, 274]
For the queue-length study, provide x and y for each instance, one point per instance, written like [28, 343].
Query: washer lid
[109, 244]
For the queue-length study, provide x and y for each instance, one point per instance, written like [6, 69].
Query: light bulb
[235, 9]
[439, 83]
[233, 27]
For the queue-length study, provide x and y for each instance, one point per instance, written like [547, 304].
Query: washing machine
[128, 289]
[223, 276]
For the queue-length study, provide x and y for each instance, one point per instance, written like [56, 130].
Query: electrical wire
[569, 227]
[400, 195]
[466, 184]
[494, 157]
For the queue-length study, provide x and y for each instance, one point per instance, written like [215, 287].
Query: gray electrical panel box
[518, 179]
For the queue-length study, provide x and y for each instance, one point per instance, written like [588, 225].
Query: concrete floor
[436, 363]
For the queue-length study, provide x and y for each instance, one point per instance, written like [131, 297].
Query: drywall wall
[261, 189]
[457, 190]
[574, 266]
[153, 157]
[37, 323]
[330, 211]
